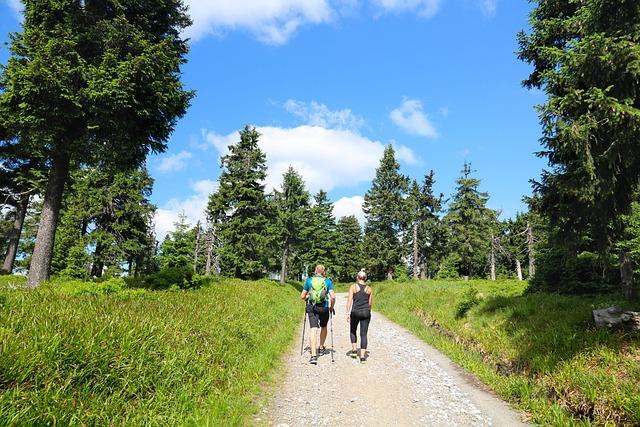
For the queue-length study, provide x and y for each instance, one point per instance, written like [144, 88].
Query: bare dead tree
[197, 248]
[211, 241]
[416, 252]
[518, 269]
[531, 250]
[493, 257]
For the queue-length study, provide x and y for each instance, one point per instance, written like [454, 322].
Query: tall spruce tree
[239, 209]
[427, 237]
[90, 82]
[385, 210]
[348, 248]
[585, 56]
[292, 212]
[470, 224]
[320, 234]
[20, 179]
[109, 211]
[176, 250]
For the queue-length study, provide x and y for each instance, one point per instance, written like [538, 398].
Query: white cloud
[271, 21]
[488, 7]
[315, 114]
[426, 8]
[410, 117]
[192, 207]
[326, 158]
[15, 5]
[349, 206]
[174, 162]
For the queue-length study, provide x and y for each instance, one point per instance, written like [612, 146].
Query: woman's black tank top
[360, 299]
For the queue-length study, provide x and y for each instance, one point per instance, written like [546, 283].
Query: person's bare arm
[370, 298]
[349, 302]
[303, 295]
[332, 298]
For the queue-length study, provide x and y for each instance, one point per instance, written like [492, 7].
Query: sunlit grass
[539, 351]
[71, 355]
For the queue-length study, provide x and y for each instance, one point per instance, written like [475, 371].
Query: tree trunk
[43, 250]
[423, 270]
[416, 271]
[518, 269]
[493, 258]
[14, 236]
[207, 268]
[626, 274]
[532, 255]
[285, 260]
[97, 266]
[197, 248]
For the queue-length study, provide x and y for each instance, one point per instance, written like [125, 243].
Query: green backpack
[318, 291]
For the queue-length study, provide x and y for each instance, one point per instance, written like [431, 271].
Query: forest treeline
[89, 91]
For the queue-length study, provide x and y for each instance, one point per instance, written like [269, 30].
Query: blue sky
[329, 83]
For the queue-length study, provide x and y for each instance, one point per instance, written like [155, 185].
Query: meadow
[82, 353]
[538, 351]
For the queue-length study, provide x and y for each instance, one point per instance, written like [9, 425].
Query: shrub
[181, 277]
[470, 298]
[448, 268]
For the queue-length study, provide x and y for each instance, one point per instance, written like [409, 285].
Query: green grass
[74, 353]
[539, 351]
[11, 281]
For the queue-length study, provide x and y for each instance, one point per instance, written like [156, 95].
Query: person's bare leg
[323, 336]
[313, 340]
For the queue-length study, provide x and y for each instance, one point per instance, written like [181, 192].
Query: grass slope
[87, 354]
[539, 351]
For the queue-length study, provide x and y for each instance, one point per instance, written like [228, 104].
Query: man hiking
[320, 296]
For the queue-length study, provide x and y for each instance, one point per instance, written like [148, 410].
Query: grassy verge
[539, 351]
[87, 354]
[11, 281]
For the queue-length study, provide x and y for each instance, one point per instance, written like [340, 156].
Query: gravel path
[404, 382]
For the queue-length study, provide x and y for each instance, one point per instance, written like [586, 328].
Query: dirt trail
[404, 382]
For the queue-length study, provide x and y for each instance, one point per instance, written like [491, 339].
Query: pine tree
[109, 211]
[319, 234]
[348, 248]
[292, 209]
[427, 237]
[176, 250]
[386, 214]
[239, 209]
[585, 56]
[91, 84]
[20, 179]
[470, 224]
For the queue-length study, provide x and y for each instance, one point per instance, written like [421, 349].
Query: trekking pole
[332, 349]
[304, 324]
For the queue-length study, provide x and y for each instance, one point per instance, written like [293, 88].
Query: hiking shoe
[322, 351]
[353, 354]
[363, 360]
[313, 360]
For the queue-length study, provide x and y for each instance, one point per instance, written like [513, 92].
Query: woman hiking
[359, 312]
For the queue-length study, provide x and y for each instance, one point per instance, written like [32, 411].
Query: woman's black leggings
[363, 317]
